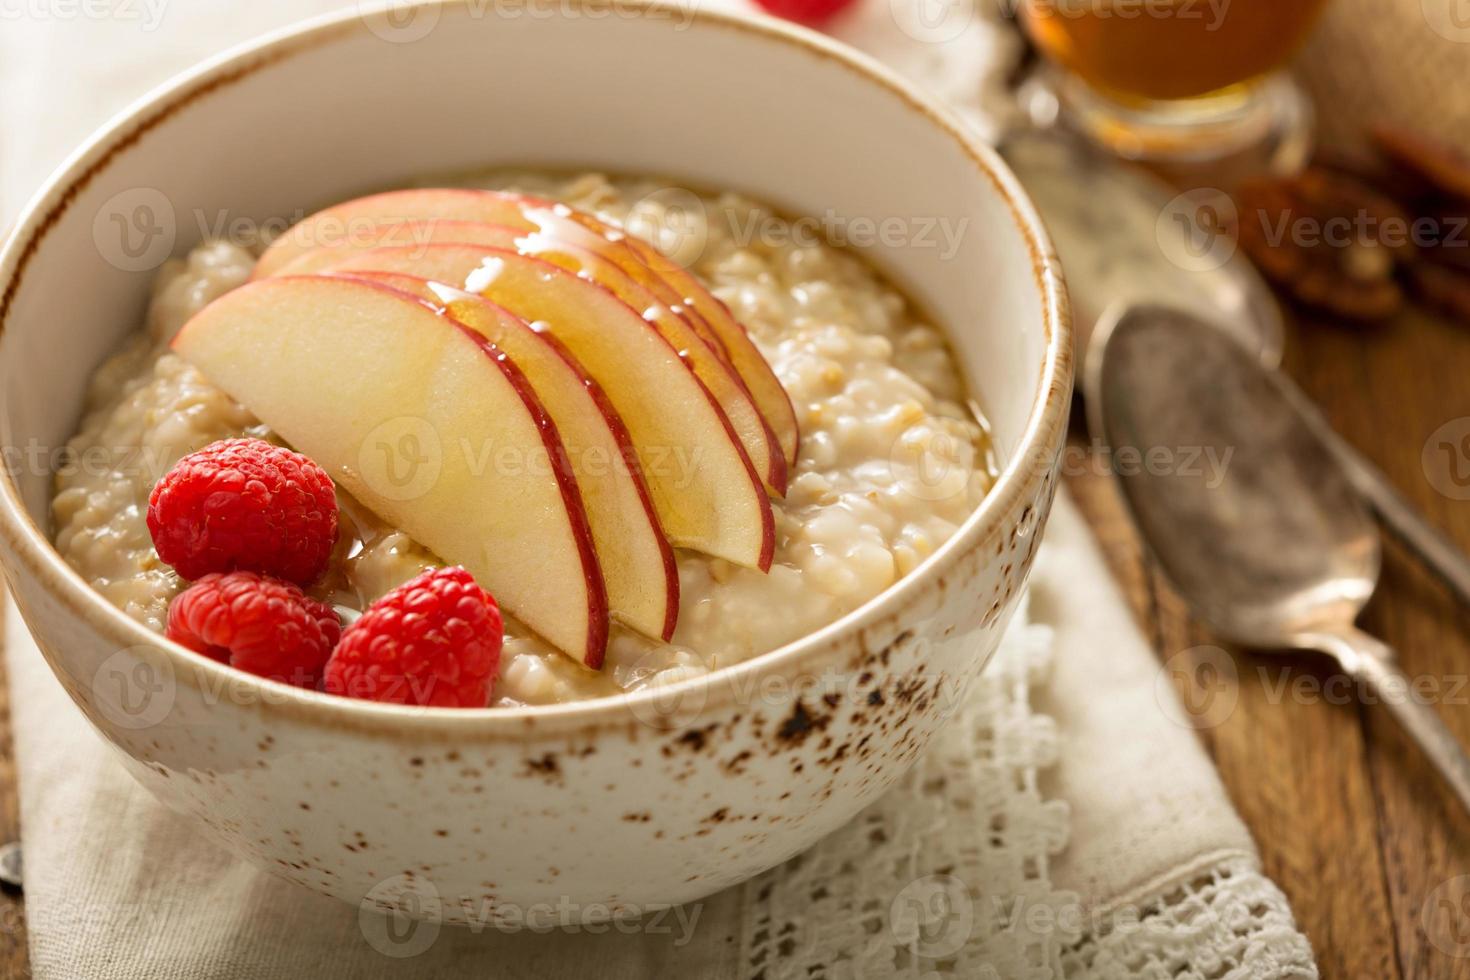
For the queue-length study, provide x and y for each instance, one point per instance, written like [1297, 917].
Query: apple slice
[637, 563]
[706, 492]
[426, 422]
[674, 285]
[704, 360]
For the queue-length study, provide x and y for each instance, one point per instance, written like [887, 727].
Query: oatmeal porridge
[891, 457]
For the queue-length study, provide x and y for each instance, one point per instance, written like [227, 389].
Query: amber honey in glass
[1181, 79]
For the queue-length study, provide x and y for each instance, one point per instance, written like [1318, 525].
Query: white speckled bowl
[591, 809]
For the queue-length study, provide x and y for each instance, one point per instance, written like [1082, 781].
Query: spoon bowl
[1250, 515]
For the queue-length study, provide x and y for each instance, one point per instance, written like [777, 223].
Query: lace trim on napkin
[948, 874]
[1225, 921]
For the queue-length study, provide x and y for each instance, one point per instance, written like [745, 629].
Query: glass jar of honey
[1174, 79]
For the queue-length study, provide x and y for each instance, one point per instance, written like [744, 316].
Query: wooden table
[1350, 820]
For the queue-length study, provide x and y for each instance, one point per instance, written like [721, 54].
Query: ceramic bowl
[590, 810]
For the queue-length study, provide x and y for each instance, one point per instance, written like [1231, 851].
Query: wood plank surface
[1351, 821]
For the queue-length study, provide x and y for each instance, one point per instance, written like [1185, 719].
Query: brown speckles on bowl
[798, 725]
[691, 740]
[545, 766]
[736, 764]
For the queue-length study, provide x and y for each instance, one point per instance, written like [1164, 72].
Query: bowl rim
[1047, 417]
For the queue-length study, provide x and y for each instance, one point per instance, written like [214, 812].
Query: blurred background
[1350, 819]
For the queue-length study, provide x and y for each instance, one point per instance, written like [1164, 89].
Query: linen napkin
[1067, 822]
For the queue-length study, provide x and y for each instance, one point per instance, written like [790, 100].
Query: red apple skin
[439, 298]
[597, 616]
[454, 263]
[672, 283]
[566, 481]
[702, 352]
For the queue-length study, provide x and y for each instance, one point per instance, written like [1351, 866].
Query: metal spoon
[1270, 544]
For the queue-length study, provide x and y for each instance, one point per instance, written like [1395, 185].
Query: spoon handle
[1372, 661]
[1398, 515]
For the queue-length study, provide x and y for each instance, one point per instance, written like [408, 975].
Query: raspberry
[434, 640]
[245, 504]
[257, 624]
[809, 12]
